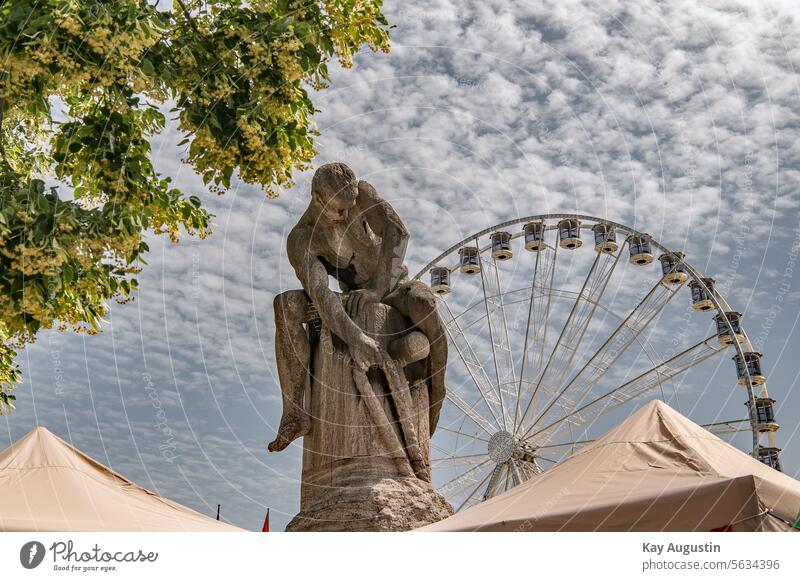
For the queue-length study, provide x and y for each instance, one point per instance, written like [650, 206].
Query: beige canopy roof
[48, 485]
[656, 471]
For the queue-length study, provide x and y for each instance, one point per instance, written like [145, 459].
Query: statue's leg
[418, 303]
[292, 355]
[401, 394]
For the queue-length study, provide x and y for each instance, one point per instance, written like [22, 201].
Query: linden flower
[210, 148]
[33, 305]
[99, 40]
[257, 49]
[69, 23]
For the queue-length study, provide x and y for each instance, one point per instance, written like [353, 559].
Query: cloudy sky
[672, 118]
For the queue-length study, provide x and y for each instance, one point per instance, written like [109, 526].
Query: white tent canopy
[48, 485]
[656, 471]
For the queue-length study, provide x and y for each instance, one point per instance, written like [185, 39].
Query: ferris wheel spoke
[458, 433]
[498, 330]
[539, 301]
[626, 333]
[525, 470]
[474, 490]
[563, 445]
[505, 354]
[545, 300]
[473, 365]
[470, 412]
[729, 427]
[544, 371]
[464, 328]
[453, 453]
[574, 328]
[531, 316]
[466, 485]
[650, 379]
[453, 484]
[438, 448]
[466, 459]
[590, 302]
[531, 469]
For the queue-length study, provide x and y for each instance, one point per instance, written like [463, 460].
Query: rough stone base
[386, 505]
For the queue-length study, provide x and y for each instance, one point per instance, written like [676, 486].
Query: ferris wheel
[542, 353]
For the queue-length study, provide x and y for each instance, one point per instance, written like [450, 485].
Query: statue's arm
[314, 278]
[385, 222]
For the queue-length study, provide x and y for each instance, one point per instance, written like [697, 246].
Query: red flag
[265, 528]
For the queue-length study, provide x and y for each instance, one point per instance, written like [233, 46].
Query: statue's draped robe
[350, 467]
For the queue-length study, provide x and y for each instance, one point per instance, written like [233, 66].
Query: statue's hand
[357, 298]
[366, 352]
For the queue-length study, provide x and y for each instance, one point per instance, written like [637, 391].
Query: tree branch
[188, 16]
[3, 156]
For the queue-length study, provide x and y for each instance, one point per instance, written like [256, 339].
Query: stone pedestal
[375, 505]
[357, 475]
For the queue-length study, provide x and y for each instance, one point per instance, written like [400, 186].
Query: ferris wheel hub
[502, 446]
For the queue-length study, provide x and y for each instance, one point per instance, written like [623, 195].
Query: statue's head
[335, 188]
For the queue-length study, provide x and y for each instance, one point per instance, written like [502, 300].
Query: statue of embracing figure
[362, 370]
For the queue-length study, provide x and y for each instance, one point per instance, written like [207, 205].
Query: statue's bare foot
[292, 426]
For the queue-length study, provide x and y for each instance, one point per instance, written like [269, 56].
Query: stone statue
[361, 371]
